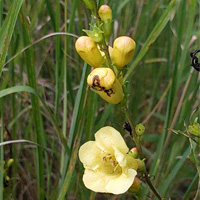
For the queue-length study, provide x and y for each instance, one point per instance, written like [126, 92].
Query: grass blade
[174, 172]
[153, 35]
[24, 88]
[7, 29]
[1, 152]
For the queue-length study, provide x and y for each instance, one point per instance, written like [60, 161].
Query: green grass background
[44, 97]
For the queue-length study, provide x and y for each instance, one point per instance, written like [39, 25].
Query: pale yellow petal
[90, 155]
[94, 181]
[108, 137]
[121, 184]
[131, 162]
[120, 157]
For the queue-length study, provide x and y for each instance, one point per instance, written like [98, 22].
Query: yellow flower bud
[105, 83]
[136, 186]
[105, 13]
[89, 51]
[123, 50]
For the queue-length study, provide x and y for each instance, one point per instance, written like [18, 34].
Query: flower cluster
[103, 79]
[109, 165]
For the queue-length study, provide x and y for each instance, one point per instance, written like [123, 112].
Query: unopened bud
[105, 83]
[136, 186]
[139, 129]
[6, 181]
[133, 152]
[194, 128]
[10, 162]
[89, 51]
[123, 51]
[105, 13]
[95, 34]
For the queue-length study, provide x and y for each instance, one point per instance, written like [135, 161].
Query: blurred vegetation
[45, 98]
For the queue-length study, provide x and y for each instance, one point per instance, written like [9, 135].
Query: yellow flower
[89, 51]
[123, 50]
[108, 167]
[105, 83]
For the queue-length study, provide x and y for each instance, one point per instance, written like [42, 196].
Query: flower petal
[121, 184]
[94, 181]
[107, 137]
[90, 155]
[131, 162]
[120, 157]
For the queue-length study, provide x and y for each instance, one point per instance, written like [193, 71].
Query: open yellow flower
[105, 83]
[108, 167]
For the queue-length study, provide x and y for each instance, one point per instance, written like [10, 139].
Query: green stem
[136, 139]
[103, 46]
[134, 136]
[148, 181]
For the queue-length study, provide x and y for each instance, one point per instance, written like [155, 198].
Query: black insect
[195, 62]
[127, 127]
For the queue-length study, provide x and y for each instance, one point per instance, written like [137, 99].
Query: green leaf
[24, 88]
[7, 29]
[153, 35]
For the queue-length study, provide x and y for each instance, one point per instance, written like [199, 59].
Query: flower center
[111, 166]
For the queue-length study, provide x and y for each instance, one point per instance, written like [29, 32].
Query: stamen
[116, 167]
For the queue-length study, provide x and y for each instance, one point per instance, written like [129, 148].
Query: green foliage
[48, 110]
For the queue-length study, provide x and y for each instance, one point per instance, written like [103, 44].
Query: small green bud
[6, 181]
[10, 162]
[133, 152]
[194, 128]
[140, 129]
[95, 34]
[7, 178]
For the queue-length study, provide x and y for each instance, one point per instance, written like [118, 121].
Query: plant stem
[148, 181]
[103, 46]
[136, 139]
[134, 136]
